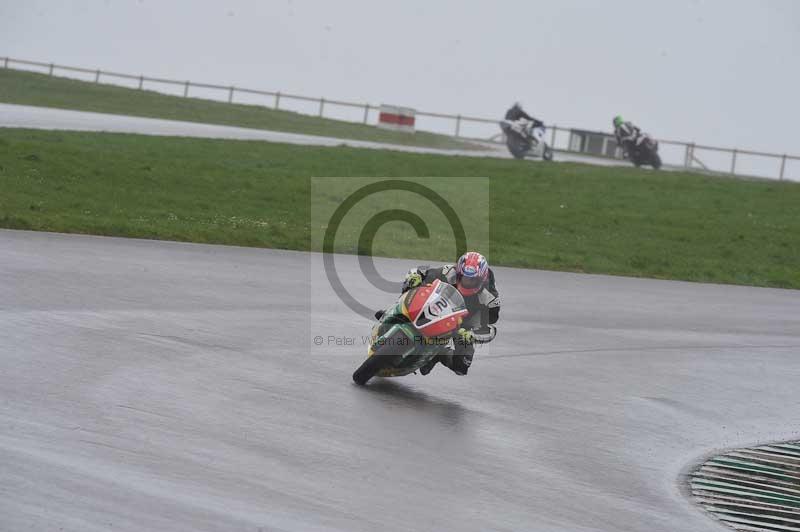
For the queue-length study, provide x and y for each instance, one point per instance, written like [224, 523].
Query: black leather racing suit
[484, 309]
[626, 135]
[516, 112]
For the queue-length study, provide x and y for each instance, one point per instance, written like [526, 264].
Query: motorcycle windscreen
[437, 309]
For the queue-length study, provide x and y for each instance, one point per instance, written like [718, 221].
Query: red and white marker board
[397, 118]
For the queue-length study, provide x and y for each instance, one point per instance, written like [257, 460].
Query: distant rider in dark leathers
[516, 112]
[627, 135]
[472, 277]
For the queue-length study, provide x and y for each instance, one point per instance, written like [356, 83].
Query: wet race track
[22, 116]
[166, 386]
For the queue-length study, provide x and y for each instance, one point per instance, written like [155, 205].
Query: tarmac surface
[22, 116]
[166, 386]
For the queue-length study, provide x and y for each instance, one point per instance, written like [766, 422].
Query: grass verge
[552, 216]
[30, 88]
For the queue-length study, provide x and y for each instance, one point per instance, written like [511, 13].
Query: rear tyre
[636, 158]
[656, 161]
[547, 154]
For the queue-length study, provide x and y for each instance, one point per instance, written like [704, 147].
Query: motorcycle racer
[472, 277]
[516, 112]
[626, 133]
[637, 146]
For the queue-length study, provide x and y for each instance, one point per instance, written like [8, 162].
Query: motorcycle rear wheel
[656, 161]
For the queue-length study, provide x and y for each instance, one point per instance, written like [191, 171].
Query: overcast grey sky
[723, 72]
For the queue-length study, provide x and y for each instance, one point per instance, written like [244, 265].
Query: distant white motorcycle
[526, 139]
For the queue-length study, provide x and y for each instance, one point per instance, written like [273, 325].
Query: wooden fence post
[783, 166]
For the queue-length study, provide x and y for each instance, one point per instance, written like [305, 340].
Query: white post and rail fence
[733, 161]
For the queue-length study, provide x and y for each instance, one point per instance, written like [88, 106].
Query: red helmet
[472, 272]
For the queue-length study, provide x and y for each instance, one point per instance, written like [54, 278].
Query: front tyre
[388, 354]
[370, 368]
[547, 154]
[518, 147]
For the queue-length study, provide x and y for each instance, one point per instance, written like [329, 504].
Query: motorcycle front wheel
[518, 147]
[370, 368]
[389, 355]
[547, 154]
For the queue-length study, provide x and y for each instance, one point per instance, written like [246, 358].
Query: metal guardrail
[690, 159]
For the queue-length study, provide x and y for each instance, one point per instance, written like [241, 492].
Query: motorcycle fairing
[439, 310]
[435, 310]
[415, 356]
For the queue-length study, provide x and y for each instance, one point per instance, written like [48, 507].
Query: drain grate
[756, 490]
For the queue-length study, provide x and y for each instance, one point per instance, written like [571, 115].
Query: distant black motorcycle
[643, 151]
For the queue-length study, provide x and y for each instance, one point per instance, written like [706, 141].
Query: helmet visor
[470, 283]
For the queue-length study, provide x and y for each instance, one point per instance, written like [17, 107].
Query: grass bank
[553, 216]
[30, 88]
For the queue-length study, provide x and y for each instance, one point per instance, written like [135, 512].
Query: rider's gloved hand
[412, 279]
[466, 335]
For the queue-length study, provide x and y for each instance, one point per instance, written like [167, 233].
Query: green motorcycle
[417, 328]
